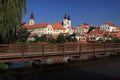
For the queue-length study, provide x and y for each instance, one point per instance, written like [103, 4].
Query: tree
[43, 38]
[115, 39]
[22, 35]
[71, 38]
[51, 40]
[91, 28]
[60, 38]
[11, 12]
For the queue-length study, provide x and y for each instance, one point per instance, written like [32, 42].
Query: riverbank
[95, 69]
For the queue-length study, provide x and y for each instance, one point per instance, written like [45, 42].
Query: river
[107, 68]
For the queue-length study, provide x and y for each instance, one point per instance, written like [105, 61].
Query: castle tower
[31, 21]
[67, 21]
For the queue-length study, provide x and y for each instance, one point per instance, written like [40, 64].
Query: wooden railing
[47, 50]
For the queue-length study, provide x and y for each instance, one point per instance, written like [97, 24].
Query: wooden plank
[22, 52]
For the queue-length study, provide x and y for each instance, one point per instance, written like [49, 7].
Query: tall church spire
[66, 21]
[69, 18]
[65, 16]
[32, 21]
[32, 16]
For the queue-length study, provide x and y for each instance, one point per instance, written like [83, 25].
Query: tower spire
[32, 16]
[65, 16]
[69, 18]
[32, 21]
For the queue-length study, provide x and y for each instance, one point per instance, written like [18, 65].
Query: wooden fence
[40, 51]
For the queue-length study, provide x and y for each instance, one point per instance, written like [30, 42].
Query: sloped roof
[114, 33]
[58, 25]
[42, 25]
[85, 34]
[118, 35]
[85, 26]
[95, 31]
[98, 32]
[110, 24]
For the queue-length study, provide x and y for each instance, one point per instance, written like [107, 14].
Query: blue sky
[93, 12]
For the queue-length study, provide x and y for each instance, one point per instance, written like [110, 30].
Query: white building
[83, 28]
[108, 26]
[46, 28]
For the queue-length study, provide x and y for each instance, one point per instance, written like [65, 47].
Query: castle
[49, 29]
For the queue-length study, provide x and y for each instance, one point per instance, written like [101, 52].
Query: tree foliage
[11, 12]
[60, 38]
[22, 35]
[115, 39]
[41, 38]
[91, 28]
[71, 38]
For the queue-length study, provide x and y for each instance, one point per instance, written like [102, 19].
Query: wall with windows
[107, 28]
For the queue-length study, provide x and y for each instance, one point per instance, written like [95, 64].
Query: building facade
[108, 26]
[47, 28]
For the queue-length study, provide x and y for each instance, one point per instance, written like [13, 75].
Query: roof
[97, 30]
[113, 33]
[85, 34]
[58, 25]
[110, 24]
[85, 26]
[74, 28]
[118, 35]
[42, 25]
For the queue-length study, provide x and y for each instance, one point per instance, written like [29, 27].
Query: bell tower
[67, 21]
[32, 21]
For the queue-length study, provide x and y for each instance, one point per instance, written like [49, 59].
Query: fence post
[114, 47]
[104, 48]
[80, 47]
[42, 47]
[22, 47]
[51, 47]
[63, 49]
[94, 56]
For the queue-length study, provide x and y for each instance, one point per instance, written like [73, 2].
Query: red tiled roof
[85, 26]
[42, 25]
[114, 33]
[85, 34]
[97, 31]
[74, 28]
[118, 27]
[110, 24]
[118, 35]
[58, 25]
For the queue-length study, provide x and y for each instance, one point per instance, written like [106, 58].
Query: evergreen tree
[60, 39]
[43, 38]
[91, 28]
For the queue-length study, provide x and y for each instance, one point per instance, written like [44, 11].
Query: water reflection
[97, 69]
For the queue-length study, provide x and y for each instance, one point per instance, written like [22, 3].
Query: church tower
[32, 21]
[67, 21]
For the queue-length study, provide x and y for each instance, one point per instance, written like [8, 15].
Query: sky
[92, 12]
